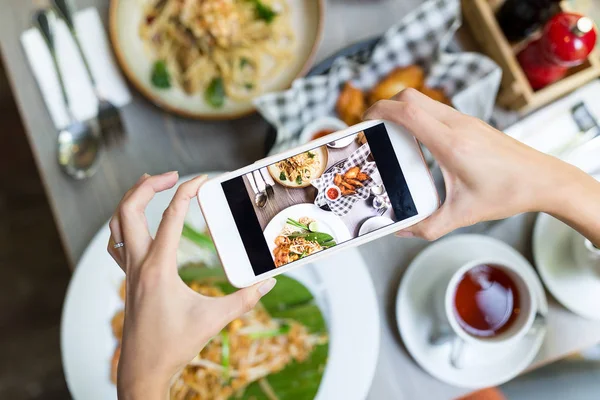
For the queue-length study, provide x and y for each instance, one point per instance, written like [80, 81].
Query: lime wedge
[313, 227]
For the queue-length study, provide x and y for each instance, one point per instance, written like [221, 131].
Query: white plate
[575, 287]
[125, 15]
[372, 224]
[327, 222]
[349, 306]
[416, 316]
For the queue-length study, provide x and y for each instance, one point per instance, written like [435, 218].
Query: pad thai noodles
[221, 48]
[299, 239]
[300, 168]
[248, 350]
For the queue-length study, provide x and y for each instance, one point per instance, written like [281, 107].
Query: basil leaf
[299, 180]
[264, 12]
[160, 77]
[282, 176]
[215, 93]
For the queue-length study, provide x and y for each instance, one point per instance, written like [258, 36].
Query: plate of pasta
[296, 344]
[209, 59]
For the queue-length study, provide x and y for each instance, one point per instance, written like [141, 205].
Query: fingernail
[170, 173]
[405, 234]
[145, 176]
[267, 286]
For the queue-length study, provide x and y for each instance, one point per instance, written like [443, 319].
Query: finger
[433, 227]
[235, 305]
[118, 254]
[440, 111]
[426, 128]
[132, 219]
[171, 225]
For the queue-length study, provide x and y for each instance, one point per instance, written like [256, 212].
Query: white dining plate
[327, 222]
[372, 224]
[575, 286]
[137, 64]
[341, 285]
[417, 317]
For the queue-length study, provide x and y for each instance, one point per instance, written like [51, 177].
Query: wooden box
[515, 91]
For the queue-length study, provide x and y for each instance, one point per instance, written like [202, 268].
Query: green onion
[201, 239]
[225, 353]
[215, 93]
[282, 330]
[160, 77]
[297, 224]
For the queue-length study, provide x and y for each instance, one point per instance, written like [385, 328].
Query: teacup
[489, 303]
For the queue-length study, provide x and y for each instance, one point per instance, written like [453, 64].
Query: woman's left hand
[166, 323]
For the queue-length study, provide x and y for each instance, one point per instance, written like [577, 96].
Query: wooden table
[158, 142]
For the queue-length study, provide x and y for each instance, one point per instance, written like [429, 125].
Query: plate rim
[164, 105]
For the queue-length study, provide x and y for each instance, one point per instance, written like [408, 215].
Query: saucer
[417, 317]
[576, 287]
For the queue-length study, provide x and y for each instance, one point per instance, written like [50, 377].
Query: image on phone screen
[317, 199]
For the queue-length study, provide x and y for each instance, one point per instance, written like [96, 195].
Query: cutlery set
[80, 143]
[262, 185]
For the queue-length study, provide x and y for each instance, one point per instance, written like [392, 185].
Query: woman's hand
[488, 175]
[166, 323]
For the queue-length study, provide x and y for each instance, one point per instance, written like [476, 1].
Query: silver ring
[117, 245]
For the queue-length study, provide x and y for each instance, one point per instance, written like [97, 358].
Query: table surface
[158, 142]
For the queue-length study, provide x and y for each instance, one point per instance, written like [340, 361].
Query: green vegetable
[264, 12]
[282, 176]
[299, 180]
[160, 77]
[201, 239]
[313, 226]
[225, 353]
[297, 224]
[249, 86]
[319, 237]
[311, 155]
[244, 61]
[215, 93]
[282, 330]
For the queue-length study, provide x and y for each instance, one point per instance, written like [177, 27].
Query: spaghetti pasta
[223, 48]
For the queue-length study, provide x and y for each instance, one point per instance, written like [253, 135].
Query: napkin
[553, 127]
[83, 102]
[422, 37]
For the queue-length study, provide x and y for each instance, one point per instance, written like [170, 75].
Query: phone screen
[317, 199]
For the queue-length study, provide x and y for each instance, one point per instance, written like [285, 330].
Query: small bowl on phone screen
[322, 127]
[333, 193]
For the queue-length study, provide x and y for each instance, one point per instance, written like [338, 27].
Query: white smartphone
[341, 190]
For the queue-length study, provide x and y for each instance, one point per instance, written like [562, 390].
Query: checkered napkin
[422, 37]
[344, 204]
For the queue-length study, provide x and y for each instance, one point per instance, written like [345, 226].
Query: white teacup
[527, 305]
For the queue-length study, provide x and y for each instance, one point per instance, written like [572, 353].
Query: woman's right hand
[488, 174]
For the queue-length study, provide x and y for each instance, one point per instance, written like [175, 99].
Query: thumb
[431, 228]
[237, 304]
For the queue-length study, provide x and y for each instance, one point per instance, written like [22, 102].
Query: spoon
[79, 142]
[260, 196]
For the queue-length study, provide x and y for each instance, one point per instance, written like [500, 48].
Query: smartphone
[341, 190]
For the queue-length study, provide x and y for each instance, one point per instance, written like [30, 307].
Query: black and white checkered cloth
[422, 37]
[344, 204]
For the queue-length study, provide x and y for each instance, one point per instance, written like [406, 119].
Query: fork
[108, 116]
